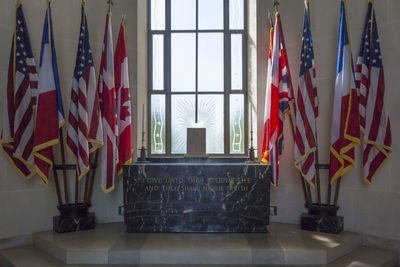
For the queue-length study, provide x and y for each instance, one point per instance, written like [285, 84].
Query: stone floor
[109, 244]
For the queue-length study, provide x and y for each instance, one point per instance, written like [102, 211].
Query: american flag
[78, 122]
[276, 100]
[125, 146]
[307, 107]
[345, 131]
[18, 124]
[106, 88]
[370, 82]
[50, 112]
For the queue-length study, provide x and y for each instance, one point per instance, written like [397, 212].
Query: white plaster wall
[26, 206]
[375, 209]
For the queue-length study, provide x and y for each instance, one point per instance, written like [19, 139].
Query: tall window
[197, 74]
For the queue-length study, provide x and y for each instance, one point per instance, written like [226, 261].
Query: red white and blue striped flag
[276, 100]
[106, 88]
[18, 124]
[370, 82]
[50, 113]
[124, 111]
[83, 98]
[345, 132]
[307, 107]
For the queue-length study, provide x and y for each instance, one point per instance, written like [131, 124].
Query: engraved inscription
[196, 184]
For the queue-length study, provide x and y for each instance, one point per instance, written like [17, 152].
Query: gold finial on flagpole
[276, 5]
[271, 23]
[84, 3]
[110, 3]
[18, 2]
[123, 17]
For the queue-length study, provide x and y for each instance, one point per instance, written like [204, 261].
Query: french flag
[50, 113]
[345, 132]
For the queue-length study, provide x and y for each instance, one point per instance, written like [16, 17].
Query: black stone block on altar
[73, 218]
[202, 196]
[322, 219]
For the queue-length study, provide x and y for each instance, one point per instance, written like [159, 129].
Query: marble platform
[109, 245]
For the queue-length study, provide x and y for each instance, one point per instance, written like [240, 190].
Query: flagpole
[76, 188]
[56, 182]
[306, 186]
[93, 173]
[337, 191]
[110, 3]
[317, 167]
[64, 170]
[328, 200]
[318, 181]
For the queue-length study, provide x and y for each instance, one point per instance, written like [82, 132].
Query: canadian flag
[125, 146]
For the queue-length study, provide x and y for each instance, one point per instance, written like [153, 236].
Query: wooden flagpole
[56, 181]
[317, 168]
[318, 181]
[328, 200]
[91, 183]
[76, 188]
[85, 193]
[337, 191]
[306, 186]
[64, 169]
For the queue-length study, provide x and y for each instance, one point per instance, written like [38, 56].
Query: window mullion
[227, 79]
[196, 116]
[167, 75]
[245, 79]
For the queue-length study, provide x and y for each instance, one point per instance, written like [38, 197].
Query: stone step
[30, 256]
[285, 244]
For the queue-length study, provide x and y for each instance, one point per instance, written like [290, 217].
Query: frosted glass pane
[211, 62]
[158, 14]
[236, 62]
[236, 14]
[183, 14]
[211, 117]
[158, 62]
[211, 14]
[236, 113]
[157, 124]
[182, 117]
[183, 62]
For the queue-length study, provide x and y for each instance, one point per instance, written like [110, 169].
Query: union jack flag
[18, 124]
[106, 88]
[276, 100]
[307, 107]
[370, 82]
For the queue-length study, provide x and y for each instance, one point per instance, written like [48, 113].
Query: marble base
[285, 244]
[322, 219]
[73, 218]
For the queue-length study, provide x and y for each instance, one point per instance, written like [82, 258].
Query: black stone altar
[202, 196]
